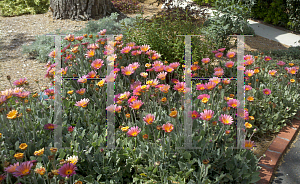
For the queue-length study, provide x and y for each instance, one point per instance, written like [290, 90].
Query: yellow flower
[35, 95]
[101, 83]
[125, 129]
[291, 64]
[78, 182]
[292, 80]
[73, 159]
[251, 117]
[256, 71]
[23, 146]
[70, 92]
[0, 135]
[39, 152]
[250, 99]
[248, 125]
[195, 63]
[12, 114]
[19, 155]
[148, 65]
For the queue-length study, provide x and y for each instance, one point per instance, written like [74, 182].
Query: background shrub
[20, 7]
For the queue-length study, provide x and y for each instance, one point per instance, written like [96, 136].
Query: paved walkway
[262, 30]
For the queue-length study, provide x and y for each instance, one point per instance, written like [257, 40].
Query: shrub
[20, 7]
[233, 21]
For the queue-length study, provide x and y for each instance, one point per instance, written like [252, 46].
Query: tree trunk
[83, 9]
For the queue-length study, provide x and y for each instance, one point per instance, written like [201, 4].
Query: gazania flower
[119, 38]
[144, 74]
[205, 60]
[292, 70]
[168, 127]
[204, 98]
[164, 99]
[19, 155]
[173, 114]
[98, 63]
[133, 131]
[250, 98]
[70, 92]
[165, 88]
[101, 83]
[179, 86]
[23, 146]
[281, 63]
[248, 144]
[69, 38]
[200, 86]
[12, 114]
[206, 115]
[168, 69]
[162, 75]
[102, 32]
[219, 55]
[292, 80]
[230, 55]
[272, 72]
[219, 71]
[127, 70]
[174, 65]
[215, 80]
[241, 68]
[267, 58]
[125, 129]
[131, 44]
[67, 170]
[73, 159]
[40, 171]
[234, 103]
[226, 119]
[248, 62]
[93, 46]
[12, 168]
[226, 81]
[82, 80]
[248, 125]
[149, 119]
[20, 82]
[145, 136]
[79, 38]
[194, 114]
[210, 85]
[90, 53]
[136, 104]
[53, 150]
[50, 126]
[229, 64]
[221, 49]
[23, 169]
[82, 103]
[144, 48]
[291, 64]
[249, 73]
[126, 50]
[267, 91]
[248, 88]
[247, 57]
[81, 91]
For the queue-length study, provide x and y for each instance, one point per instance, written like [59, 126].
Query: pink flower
[248, 88]
[267, 58]
[267, 91]
[219, 54]
[168, 127]
[71, 129]
[23, 169]
[194, 114]
[50, 126]
[234, 103]
[247, 57]
[229, 64]
[249, 73]
[98, 63]
[133, 131]
[206, 115]
[230, 55]
[67, 170]
[221, 49]
[280, 63]
[226, 119]
[149, 119]
[205, 60]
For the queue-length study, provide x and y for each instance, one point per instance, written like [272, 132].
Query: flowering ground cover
[148, 116]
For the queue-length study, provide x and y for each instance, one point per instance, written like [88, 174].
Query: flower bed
[149, 117]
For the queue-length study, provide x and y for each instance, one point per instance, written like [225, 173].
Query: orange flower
[136, 104]
[127, 115]
[168, 127]
[248, 125]
[164, 99]
[39, 152]
[145, 136]
[23, 146]
[149, 119]
[90, 53]
[173, 114]
[250, 98]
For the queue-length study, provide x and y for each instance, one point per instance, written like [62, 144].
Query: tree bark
[83, 9]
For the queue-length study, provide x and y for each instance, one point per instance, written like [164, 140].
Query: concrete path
[262, 30]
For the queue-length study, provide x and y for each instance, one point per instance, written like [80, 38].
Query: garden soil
[21, 30]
